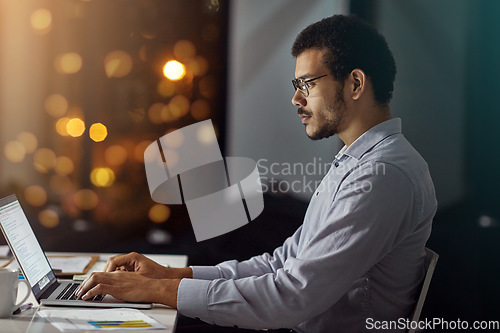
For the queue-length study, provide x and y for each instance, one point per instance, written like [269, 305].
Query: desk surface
[28, 321]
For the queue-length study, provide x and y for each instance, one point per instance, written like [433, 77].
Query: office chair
[431, 259]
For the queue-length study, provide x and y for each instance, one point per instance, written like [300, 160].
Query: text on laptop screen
[24, 244]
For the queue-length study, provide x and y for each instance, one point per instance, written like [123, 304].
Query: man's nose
[298, 99]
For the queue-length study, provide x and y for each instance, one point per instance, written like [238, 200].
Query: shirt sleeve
[255, 266]
[367, 217]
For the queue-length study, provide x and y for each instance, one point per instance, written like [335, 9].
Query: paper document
[98, 320]
[65, 264]
[70, 264]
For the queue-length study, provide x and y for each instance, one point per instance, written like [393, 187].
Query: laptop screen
[24, 245]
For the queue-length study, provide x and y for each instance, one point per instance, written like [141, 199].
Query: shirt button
[336, 164]
[235, 326]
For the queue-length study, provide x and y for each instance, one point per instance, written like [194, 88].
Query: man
[359, 254]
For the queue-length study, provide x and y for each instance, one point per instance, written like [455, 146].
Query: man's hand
[135, 262]
[130, 287]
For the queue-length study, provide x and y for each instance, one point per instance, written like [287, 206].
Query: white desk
[28, 321]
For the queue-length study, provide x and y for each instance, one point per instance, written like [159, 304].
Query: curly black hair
[351, 43]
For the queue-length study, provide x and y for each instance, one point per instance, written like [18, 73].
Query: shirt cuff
[205, 272]
[192, 299]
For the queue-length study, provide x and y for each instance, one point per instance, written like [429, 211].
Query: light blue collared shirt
[359, 253]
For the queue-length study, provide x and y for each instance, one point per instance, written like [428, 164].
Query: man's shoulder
[396, 159]
[397, 151]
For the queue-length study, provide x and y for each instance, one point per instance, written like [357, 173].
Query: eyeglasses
[303, 85]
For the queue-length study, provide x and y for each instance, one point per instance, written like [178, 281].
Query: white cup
[9, 280]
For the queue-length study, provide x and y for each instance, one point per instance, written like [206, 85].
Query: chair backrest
[431, 259]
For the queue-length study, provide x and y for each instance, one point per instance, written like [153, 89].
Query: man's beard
[329, 127]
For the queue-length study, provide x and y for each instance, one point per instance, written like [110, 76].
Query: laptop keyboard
[69, 293]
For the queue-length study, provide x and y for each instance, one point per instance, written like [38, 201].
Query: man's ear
[358, 83]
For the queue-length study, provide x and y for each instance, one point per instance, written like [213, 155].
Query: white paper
[65, 264]
[69, 264]
[80, 320]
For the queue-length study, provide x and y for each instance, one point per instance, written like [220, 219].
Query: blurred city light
[61, 126]
[75, 127]
[41, 21]
[139, 150]
[64, 166]
[98, 132]
[198, 66]
[174, 70]
[118, 64]
[14, 151]
[56, 105]
[155, 113]
[68, 63]
[102, 177]
[200, 109]
[179, 106]
[86, 199]
[44, 160]
[35, 195]
[115, 155]
[159, 213]
[29, 141]
[49, 218]
[166, 114]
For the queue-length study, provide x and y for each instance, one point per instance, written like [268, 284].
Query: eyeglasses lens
[301, 86]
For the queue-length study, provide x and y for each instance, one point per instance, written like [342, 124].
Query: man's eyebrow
[304, 77]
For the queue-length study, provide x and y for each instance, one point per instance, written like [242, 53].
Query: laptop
[48, 290]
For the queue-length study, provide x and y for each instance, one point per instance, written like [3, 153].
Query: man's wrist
[187, 272]
[169, 290]
[180, 273]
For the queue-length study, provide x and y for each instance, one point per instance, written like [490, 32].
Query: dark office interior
[101, 62]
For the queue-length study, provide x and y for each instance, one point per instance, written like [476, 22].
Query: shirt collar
[370, 138]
